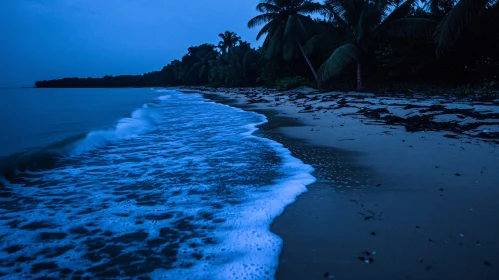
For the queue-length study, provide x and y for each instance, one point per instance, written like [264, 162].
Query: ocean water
[176, 188]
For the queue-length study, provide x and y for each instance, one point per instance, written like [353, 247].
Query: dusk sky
[47, 39]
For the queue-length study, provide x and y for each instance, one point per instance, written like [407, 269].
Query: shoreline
[413, 205]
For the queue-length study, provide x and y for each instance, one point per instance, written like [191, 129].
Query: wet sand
[387, 204]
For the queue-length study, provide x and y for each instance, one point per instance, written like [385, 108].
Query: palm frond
[408, 27]
[455, 22]
[266, 29]
[310, 8]
[338, 61]
[322, 44]
[492, 3]
[261, 19]
[433, 6]
[349, 10]
[337, 8]
[295, 30]
[273, 44]
[402, 11]
[289, 51]
[314, 42]
[291, 27]
[337, 18]
[265, 7]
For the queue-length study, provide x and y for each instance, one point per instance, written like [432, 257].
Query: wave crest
[141, 121]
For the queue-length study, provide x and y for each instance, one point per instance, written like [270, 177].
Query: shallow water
[34, 118]
[180, 189]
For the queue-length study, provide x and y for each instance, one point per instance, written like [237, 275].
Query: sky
[50, 39]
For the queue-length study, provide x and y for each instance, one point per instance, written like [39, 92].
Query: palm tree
[366, 21]
[238, 67]
[454, 24]
[196, 64]
[229, 40]
[286, 24]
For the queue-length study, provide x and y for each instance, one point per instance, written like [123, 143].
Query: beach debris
[453, 136]
[462, 235]
[457, 174]
[374, 216]
[417, 226]
[478, 244]
[365, 259]
[430, 240]
[373, 233]
[487, 263]
[436, 166]
[368, 214]
[441, 189]
[378, 185]
[367, 217]
[367, 256]
[329, 276]
[421, 260]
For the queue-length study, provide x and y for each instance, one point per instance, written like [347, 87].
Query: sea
[138, 184]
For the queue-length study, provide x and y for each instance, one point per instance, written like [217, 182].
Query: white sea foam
[141, 121]
[180, 190]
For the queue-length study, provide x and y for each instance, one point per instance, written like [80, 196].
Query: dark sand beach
[392, 200]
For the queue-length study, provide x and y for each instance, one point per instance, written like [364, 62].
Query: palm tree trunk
[309, 64]
[359, 75]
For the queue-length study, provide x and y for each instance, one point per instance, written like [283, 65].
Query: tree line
[340, 44]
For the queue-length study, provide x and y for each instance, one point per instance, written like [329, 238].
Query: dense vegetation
[341, 44]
